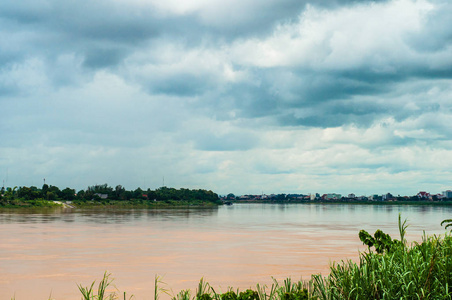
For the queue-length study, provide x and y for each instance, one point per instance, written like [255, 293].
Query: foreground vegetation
[104, 195]
[388, 269]
[393, 271]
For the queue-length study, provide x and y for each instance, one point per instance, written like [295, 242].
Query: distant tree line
[104, 193]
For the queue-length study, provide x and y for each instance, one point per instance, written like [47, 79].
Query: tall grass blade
[158, 289]
[87, 292]
[402, 229]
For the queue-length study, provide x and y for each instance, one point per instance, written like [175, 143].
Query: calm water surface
[47, 252]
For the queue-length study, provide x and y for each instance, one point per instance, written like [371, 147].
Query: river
[46, 253]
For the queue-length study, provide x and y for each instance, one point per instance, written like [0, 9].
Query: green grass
[394, 271]
[21, 203]
[288, 290]
[422, 271]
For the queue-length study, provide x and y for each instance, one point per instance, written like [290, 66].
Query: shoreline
[426, 203]
[27, 204]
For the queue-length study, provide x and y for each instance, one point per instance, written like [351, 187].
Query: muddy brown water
[46, 253]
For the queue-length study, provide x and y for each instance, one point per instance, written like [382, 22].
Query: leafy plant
[249, 295]
[448, 223]
[381, 241]
[231, 295]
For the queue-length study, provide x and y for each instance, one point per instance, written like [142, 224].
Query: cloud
[240, 95]
[233, 141]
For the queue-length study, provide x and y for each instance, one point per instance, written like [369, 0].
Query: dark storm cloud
[99, 32]
[101, 58]
[258, 18]
[74, 26]
[103, 34]
[338, 113]
[325, 98]
[254, 101]
[328, 97]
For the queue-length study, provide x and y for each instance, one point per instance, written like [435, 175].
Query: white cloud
[332, 40]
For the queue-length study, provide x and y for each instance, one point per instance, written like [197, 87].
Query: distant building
[447, 194]
[351, 196]
[375, 198]
[387, 196]
[423, 195]
[438, 197]
[333, 196]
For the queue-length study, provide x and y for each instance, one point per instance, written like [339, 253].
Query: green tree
[230, 196]
[50, 196]
[119, 192]
[24, 193]
[80, 195]
[45, 188]
[138, 194]
[68, 194]
[10, 193]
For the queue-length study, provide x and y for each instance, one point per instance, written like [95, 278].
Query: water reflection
[102, 216]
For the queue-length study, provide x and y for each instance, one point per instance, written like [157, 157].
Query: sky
[241, 96]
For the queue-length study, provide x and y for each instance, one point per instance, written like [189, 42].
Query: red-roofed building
[423, 195]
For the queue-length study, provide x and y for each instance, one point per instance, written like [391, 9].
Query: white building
[447, 194]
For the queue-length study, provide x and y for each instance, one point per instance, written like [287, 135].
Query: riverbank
[357, 202]
[35, 203]
[140, 204]
[104, 195]
[143, 204]
[150, 204]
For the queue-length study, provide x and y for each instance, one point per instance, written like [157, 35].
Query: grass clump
[393, 271]
[102, 294]
[287, 291]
